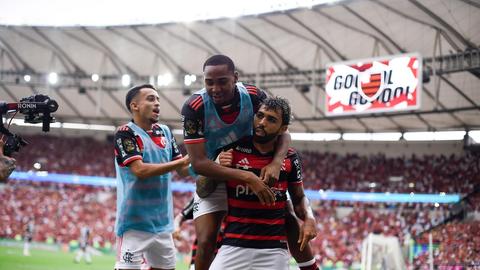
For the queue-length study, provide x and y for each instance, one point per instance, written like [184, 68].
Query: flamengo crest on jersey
[217, 132]
[145, 205]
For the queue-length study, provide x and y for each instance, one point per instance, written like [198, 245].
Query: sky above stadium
[123, 12]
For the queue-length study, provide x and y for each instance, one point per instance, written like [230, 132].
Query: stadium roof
[114, 12]
[276, 50]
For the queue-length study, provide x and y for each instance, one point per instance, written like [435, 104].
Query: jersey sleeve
[257, 95]
[176, 154]
[296, 176]
[126, 147]
[192, 119]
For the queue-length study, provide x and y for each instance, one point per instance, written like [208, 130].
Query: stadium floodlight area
[66, 125]
[434, 136]
[315, 136]
[42, 176]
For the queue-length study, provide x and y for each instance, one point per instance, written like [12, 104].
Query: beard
[268, 137]
[154, 120]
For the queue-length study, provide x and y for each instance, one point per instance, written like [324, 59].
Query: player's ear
[133, 106]
[235, 74]
[283, 129]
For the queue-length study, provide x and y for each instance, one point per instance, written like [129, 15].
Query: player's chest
[245, 158]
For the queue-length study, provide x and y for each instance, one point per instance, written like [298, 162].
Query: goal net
[381, 252]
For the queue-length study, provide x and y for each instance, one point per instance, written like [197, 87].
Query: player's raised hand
[225, 158]
[186, 160]
[308, 231]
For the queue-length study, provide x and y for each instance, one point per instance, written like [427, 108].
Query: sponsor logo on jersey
[190, 127]
[243, 150]
[243, 190]
[243, 164]
[120, 146]
[128, 145]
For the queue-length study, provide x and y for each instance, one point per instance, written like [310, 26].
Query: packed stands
[60, 210]
[328, 171]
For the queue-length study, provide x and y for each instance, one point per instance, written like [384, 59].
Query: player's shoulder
[256, 94]
[292, 153]
[124, 130]
[194, 102]
[253, 89]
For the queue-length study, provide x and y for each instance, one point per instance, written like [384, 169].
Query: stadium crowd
[60, 210]
[328, 171]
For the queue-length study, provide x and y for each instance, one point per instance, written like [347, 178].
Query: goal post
[381, 252]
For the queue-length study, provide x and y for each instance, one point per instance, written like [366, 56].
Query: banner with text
[383, 84]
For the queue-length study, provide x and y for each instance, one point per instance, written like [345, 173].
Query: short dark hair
[133, 92]
[220, 59]
[279, 103]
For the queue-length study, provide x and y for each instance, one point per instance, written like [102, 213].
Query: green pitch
[12, 258]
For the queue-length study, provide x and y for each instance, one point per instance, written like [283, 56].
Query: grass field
[12, 258]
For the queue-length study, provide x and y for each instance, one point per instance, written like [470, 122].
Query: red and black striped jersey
[129, 147]
[193, 112]
[249, 223]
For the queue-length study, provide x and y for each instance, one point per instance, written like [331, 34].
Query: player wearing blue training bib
[146, 153]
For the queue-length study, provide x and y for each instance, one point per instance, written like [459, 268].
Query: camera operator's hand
[7, 165]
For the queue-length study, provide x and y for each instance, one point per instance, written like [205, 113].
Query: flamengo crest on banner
[384, 84]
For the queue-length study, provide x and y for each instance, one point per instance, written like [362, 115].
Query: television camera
[36, 108]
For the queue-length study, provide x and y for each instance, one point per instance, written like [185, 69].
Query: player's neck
[265, 148]
[145, 124]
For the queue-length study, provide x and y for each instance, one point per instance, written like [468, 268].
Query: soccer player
[146, 153]
[187, 214]
[214, 117]
[255, 236]
[83, 250]
[27, 237]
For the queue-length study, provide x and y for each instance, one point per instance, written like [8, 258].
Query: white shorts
[215, 202]
[141, 250]
[233, 258]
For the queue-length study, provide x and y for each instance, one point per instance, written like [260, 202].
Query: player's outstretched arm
[144, 170]
[301, 206]
[271, 172]
[208, 168]
[183, 171]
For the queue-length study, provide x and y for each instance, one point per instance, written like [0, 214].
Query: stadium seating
[60, 210]
[328, 171]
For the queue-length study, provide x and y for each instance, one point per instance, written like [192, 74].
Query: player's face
[148, 105]
[220, 83]
[267, 125]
